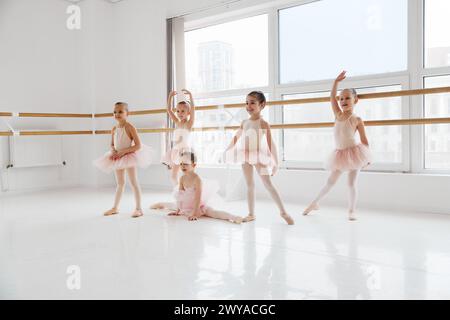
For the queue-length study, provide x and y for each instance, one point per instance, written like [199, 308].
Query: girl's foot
[311, 207]
[238, 220]
[111, 212]
[249, 218]
[137, 213]
[288, 219]
[157, 206]
[351, 216]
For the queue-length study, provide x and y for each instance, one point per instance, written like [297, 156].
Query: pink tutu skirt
[185, 198]
[264, 158]
[141, 158]
[353, 158]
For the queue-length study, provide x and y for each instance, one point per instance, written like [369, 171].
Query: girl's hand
[118, 155]
[172, 94]
[175, 213]
[187, 92]
[341, 76]
[274, 170]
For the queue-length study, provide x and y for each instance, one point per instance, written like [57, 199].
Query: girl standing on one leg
[257, 150]
[349, 155]
[127, 153]
[183, 116]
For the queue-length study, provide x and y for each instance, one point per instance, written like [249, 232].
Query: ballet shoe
[249, 218]
[111, 212]
[311, 207]
[351, 216]
[288, 219]
[137, 214]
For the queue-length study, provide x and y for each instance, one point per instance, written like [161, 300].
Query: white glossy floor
[384, 255]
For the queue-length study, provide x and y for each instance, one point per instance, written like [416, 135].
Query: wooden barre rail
[378, 95]
[371, 123]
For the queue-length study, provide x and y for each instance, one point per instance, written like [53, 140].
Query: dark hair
[258, 95]
[191, 155]
[185, 103]
[121, 104]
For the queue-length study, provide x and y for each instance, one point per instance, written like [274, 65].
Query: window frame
[413, 145]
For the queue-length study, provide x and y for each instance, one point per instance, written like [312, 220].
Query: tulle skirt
[263, 158]
[353, 158]
[185, 198]
[141, 158]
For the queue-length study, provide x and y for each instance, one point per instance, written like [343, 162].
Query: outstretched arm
[172, 115]
[236, 137]
[192, 111]
[334, 103]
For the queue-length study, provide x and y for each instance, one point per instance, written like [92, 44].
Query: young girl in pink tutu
[256, 150]
[183, 116]
[349, 155]
[127, 153]
[192, 195]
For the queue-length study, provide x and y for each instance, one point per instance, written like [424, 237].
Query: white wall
[119, 54]
[41, 71]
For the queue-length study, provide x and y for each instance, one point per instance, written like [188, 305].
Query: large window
[319, 39]
[313, 145]
[294, 52]
[437, 34]
[437, 137]
[222, 57]
[211, 144]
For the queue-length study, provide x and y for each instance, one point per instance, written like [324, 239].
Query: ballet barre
[365, 96]
[370, 123]
[378, 95]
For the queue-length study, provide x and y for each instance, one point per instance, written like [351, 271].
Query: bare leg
[332, 179]
[267, 181]
[223, 215]
[174, 174]
[120, 181]
[353, 193]
[132, 175]
[248, 175]
[164, 205]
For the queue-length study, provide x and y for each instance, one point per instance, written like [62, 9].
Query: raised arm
[362, 132]
[192, 110]
[172, 115]
[197, 200]
[334, 103]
